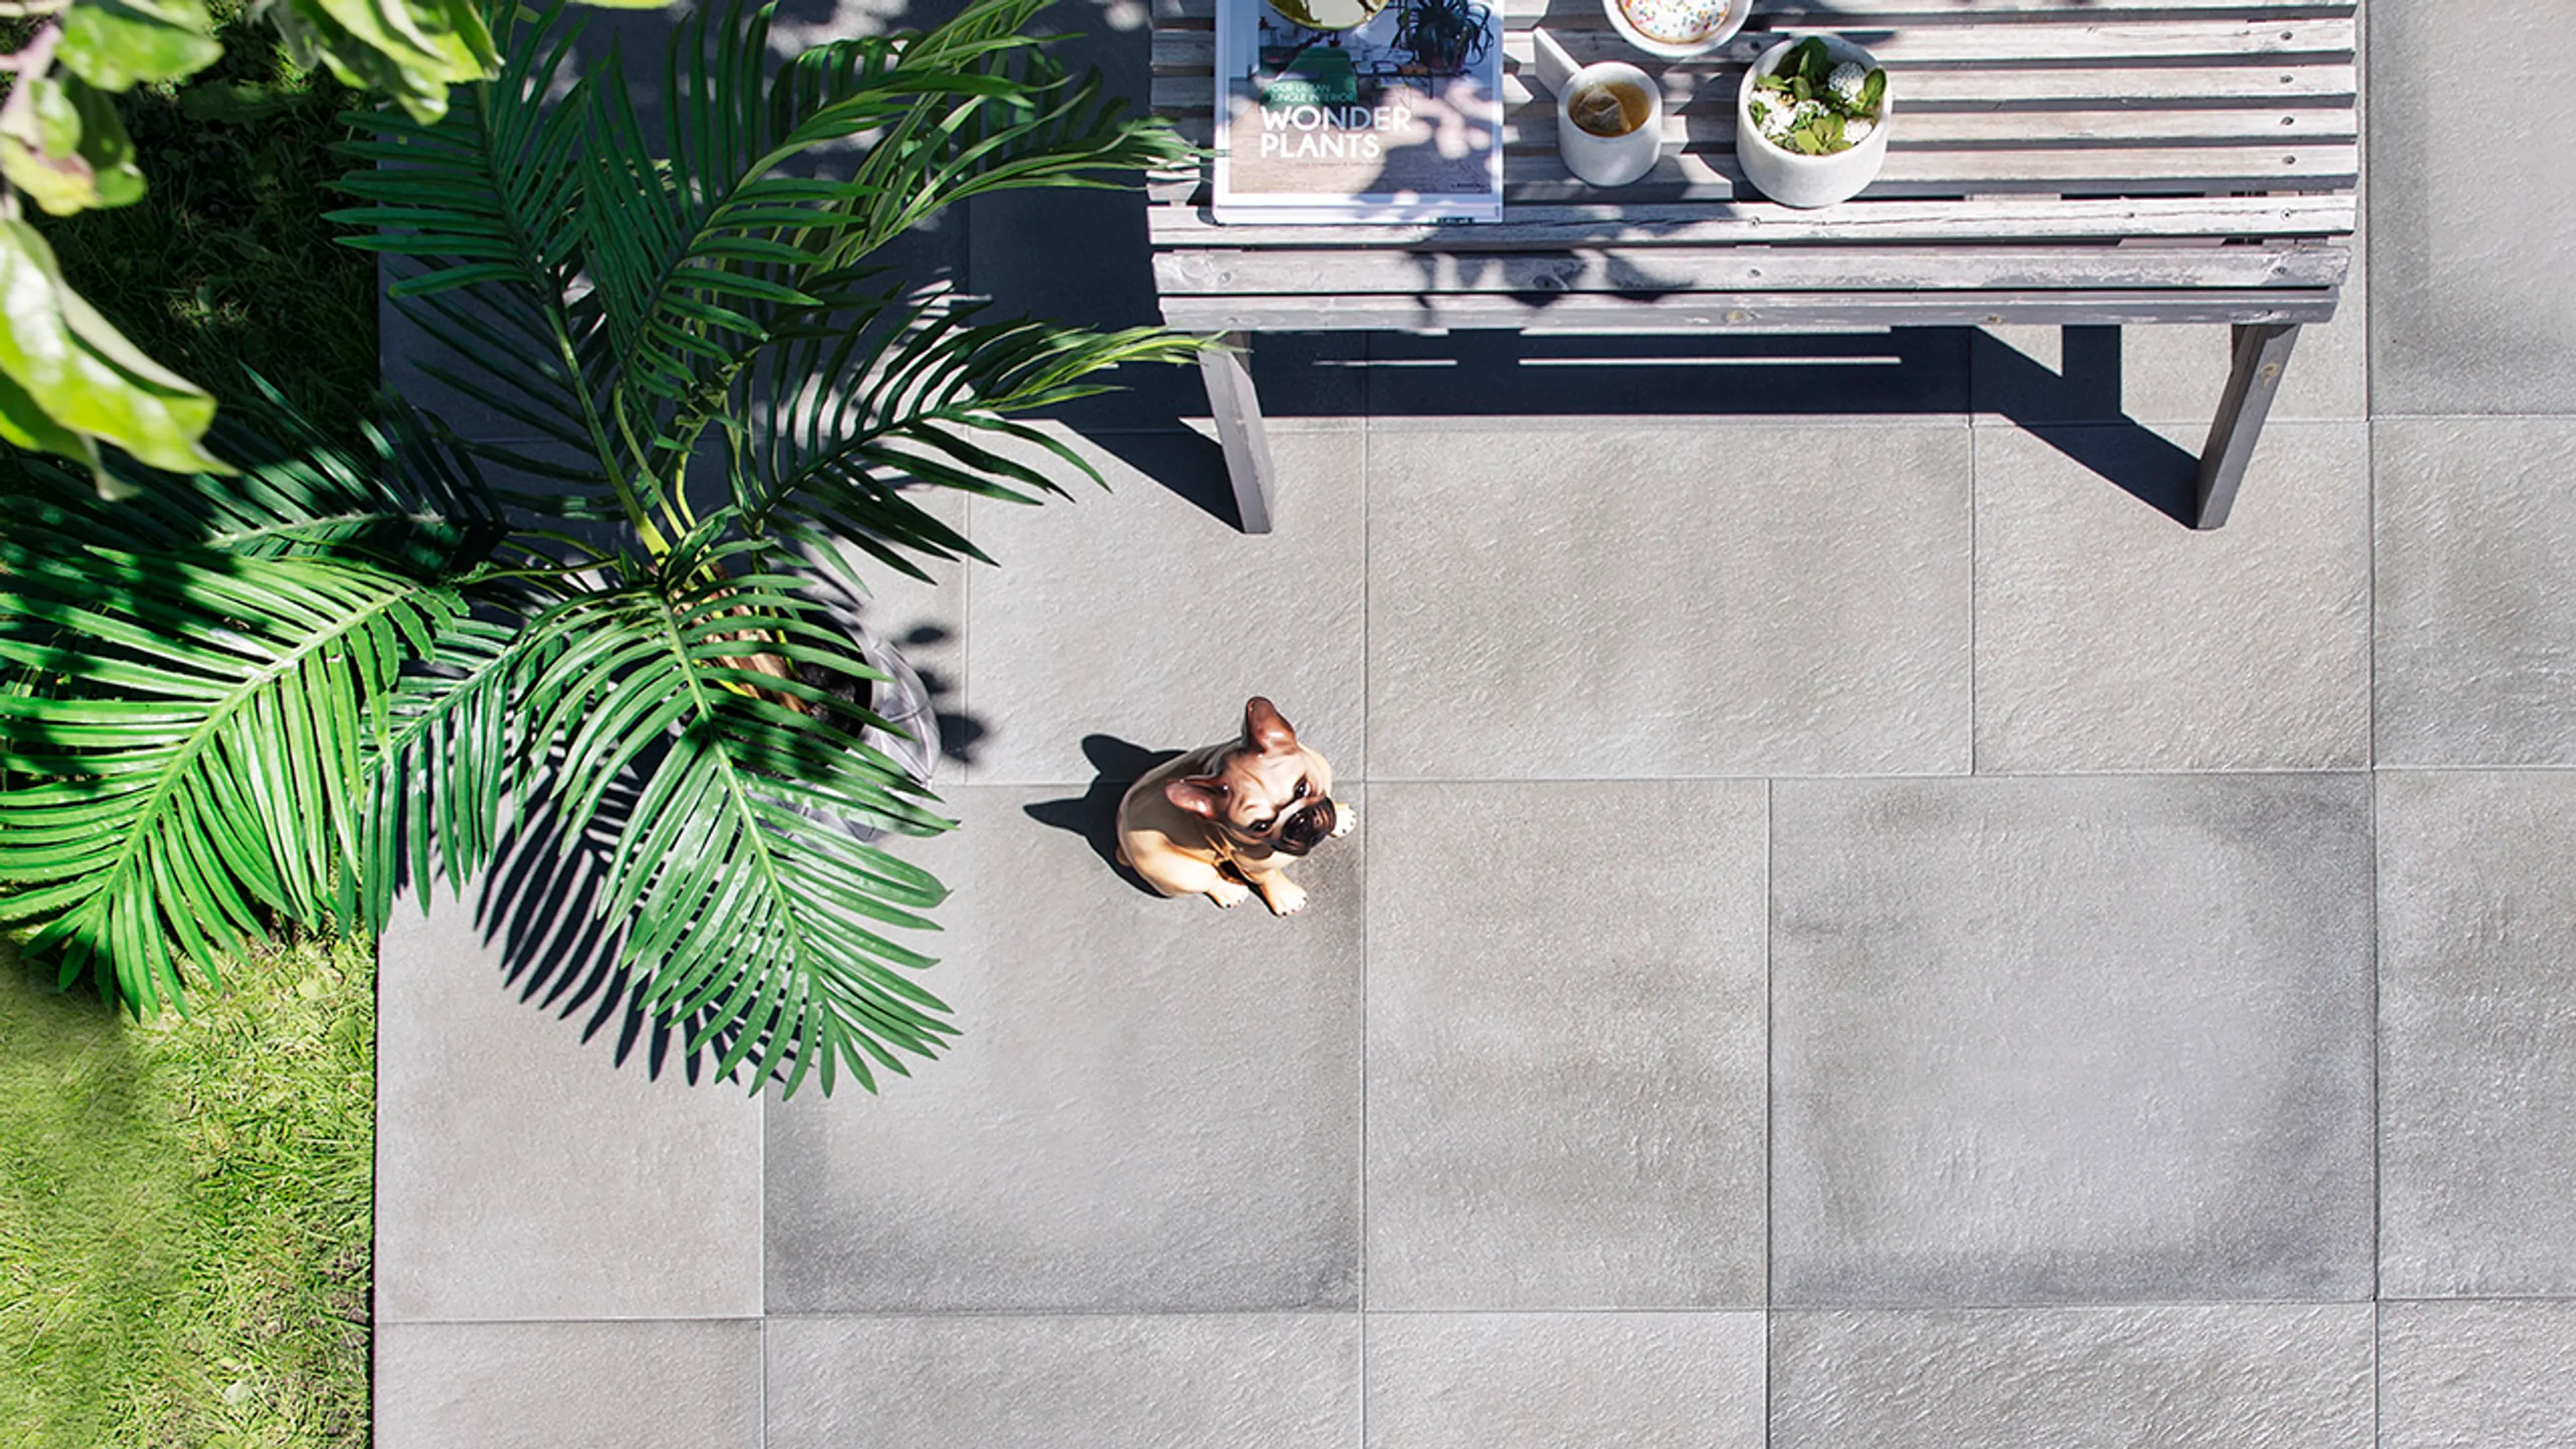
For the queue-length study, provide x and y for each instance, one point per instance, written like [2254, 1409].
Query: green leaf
[411, 50]
[186, 734]
[63, 144]
[81, 374]
[118, 44]
[1872, 90]
[1814, 65]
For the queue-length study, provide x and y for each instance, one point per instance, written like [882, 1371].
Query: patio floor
[1862, 933]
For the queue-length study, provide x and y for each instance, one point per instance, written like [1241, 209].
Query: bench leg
[1237, 410]
[2262, 352]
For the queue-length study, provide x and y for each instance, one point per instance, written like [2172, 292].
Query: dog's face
[1271, 793]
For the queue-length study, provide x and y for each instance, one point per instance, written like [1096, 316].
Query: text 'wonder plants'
[234, 701]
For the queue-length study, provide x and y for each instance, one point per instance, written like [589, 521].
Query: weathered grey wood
[2000, 222]
[1588, 36]
[2059, 130]
[2107, 87]
[1857, 14]
[1722, 311]
[1918, 270]
[2262, 353]
[2055, 161]
[1236, 407]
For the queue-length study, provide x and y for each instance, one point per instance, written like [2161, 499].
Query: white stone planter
[1793, 178]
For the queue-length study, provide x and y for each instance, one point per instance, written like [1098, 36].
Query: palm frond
[410, 498]
[844, 417]
[183, 736]
[745, 893]
[481, 205]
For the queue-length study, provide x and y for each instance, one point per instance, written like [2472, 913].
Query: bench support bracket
[2262, 353]
[1227, 370]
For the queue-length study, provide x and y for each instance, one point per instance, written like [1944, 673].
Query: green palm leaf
[184, 740]
[748, 898]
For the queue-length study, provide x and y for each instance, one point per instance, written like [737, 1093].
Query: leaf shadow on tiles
[1093, 814]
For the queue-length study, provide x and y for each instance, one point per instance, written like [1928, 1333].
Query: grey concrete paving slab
[2469, 316]
[2476, 620]
[1558, 602]
[523, 1171]
[2477, 1021]
[2067, 1040]
[2476, 1375]
[1139, 615]
[1155, 1105]
[1565, 1045]
[2282, 1376]
[1100, 1381]
[2111, 638]
[1599, 1380]
[638, 1385]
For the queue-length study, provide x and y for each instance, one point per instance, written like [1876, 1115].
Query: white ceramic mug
[1597, 159]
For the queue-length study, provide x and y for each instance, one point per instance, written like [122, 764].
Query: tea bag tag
[1554, 67]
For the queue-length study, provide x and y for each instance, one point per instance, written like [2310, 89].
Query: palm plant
[284, 694]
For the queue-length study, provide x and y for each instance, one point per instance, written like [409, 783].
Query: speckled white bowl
[1793, 178]
[1666, 50]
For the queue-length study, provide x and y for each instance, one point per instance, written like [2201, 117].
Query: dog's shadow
[1093, 814]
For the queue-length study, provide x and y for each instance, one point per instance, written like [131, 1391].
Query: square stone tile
[1607, 601]
[524, 1171]
[1155, 1105]
[2282, 1376]
[2071, 1040]
[1566, 1045]
[2477, 1033]
[636, 1385]
[2471, 240]
[2111, 638]
[1281, 1381]
[2476, 1375]
[2476, 630]
[1600, 1380]
[1142, 615]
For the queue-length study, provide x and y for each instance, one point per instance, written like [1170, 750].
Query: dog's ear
[1200, 795]
[1264, 729]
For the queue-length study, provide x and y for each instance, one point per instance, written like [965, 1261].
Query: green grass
[186, 1206]
[226, 260]
[186, 1209]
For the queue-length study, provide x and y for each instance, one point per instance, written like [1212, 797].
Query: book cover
[1397, 119]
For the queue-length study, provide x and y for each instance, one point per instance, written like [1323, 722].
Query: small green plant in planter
[1811, 104]
[277, 696]
[1443, 36]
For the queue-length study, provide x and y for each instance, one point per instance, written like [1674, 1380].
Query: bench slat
[1992, 221]
[1533, 173]
[1590, 37]
[1791, 14]
[1710, 312]
[2103, 88]
[2268, 127]
[1874, 269]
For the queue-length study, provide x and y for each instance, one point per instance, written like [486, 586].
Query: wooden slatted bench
[2052, 161]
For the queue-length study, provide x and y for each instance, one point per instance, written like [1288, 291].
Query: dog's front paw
[1345, 819]
[1229, 894]
[1284, 897]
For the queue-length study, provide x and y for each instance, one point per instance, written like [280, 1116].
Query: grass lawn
[186, 1209]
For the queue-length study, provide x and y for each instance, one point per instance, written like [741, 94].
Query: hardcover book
[1397, 119]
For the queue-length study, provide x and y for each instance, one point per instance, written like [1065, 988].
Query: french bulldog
[1225, 820]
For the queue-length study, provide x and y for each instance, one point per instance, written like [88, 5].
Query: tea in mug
[1610, 108]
